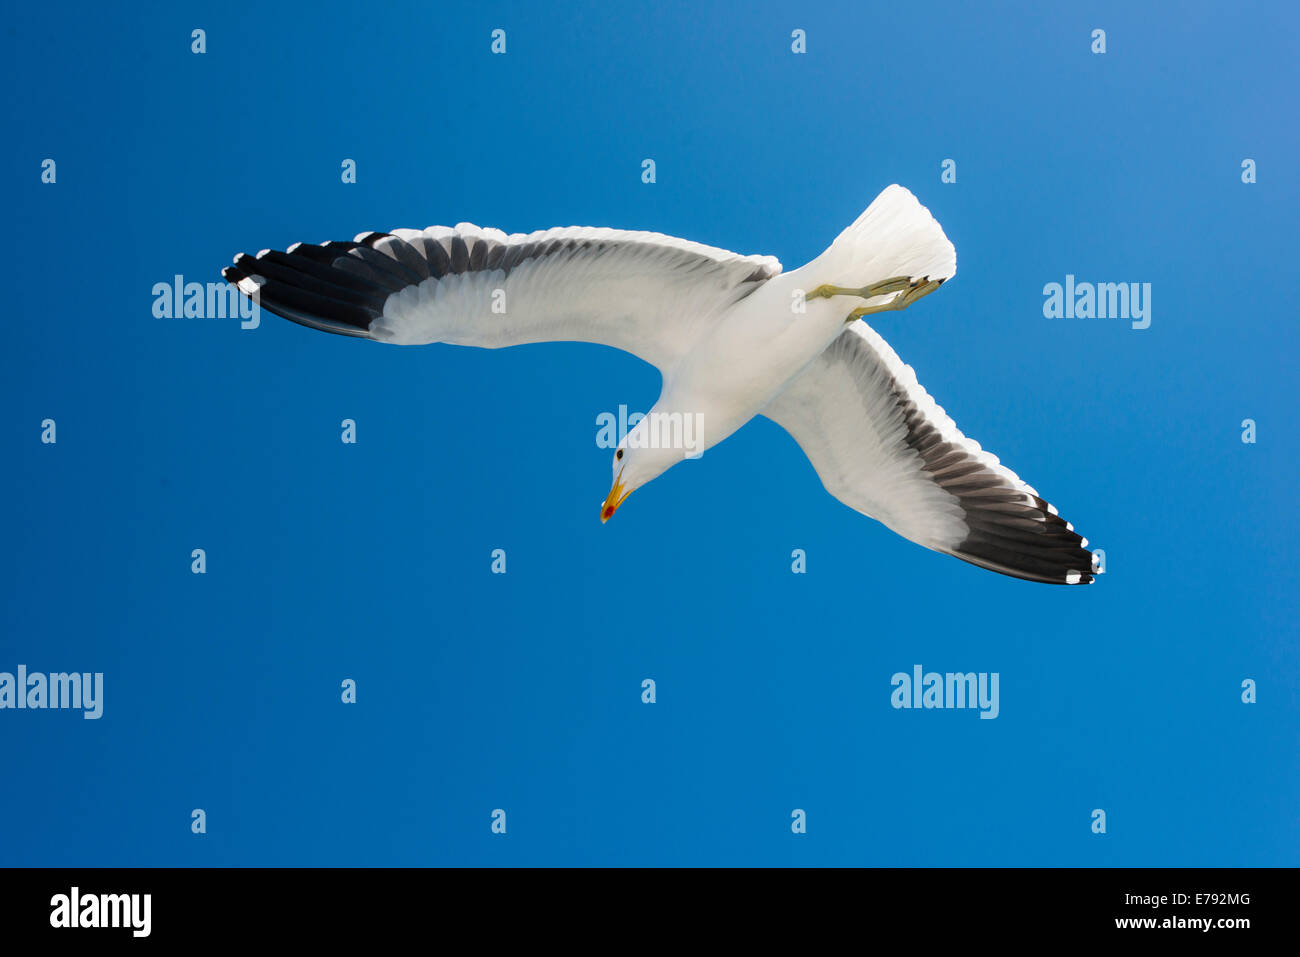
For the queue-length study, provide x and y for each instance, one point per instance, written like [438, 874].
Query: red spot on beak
[617, 493]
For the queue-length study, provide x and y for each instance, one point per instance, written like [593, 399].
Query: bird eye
[618, 455]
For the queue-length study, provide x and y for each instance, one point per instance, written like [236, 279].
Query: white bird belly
[732, 375]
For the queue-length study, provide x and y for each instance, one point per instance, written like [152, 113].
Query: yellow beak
[617, 494]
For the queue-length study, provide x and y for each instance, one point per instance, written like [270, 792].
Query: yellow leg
[914, 291]
[884, 287]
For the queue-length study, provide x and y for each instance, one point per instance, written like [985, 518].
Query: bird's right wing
[882, 446]
[645, 293]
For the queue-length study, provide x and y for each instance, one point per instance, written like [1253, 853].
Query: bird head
[653, 446]
[622, 485]
[635, 464]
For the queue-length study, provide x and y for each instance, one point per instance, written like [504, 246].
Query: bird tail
[895, 236]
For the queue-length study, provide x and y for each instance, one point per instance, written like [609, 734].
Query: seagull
[733, 337]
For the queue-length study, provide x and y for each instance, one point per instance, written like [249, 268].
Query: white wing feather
[651, 295]
[882, 446]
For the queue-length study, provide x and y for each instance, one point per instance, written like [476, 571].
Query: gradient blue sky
[522, 691]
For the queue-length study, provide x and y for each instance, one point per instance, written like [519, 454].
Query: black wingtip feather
[1035, 545]
[338, 288]
[1008, 530]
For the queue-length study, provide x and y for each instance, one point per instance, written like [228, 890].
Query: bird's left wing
[645, 293]
[882, 446]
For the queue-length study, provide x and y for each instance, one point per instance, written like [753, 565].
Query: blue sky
[522, 691]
